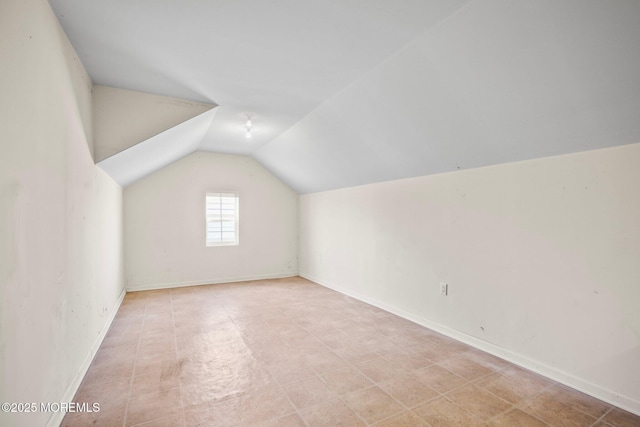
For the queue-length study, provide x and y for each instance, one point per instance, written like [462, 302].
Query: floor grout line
[133, 371]
[175, 342]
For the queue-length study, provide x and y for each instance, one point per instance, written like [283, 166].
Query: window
[222, 219]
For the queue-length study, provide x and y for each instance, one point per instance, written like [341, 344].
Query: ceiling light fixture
[248, 126]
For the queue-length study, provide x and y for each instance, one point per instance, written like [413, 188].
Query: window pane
[222, 218]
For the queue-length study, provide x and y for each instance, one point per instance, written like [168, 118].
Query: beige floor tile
[207, 381]
[385, 348]
[154, 336]
[158, 323]
[292, 420]
[117, 368]
[152, 348]
[309, 392]
[207, 392]
[243, 410]
[105, 393]
[587, 404]
[434, 352]
[620, 418]
[153, 383]
[265, 403]
[153, 406]
[358, 354]
[200, 365]
[464, 367]
[243, 354]
[442, 412]
[373, 404]
[409, 390]
[405, 419]
[546, 408]
[125, 343]
[325, 361]
[515, 418]
[165, 363]
[408, 361]
[126, 326]
[346, 380]
[478, 401]
[289, 333]
[331, 414]
[406, 341]
[511, 389]
[522, 374]
[291, 370]
[111, 414]
[450, 343]
[172, 421]
[307, 345]
[485, 359]
[379, 370]
[219, 415]
[439, 378]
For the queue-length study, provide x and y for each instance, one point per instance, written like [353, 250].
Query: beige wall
[542, 259]
[164, 224]
[123, 118]
[61, 265]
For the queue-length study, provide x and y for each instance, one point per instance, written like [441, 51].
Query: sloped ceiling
[136, 133]
[351, 92]
[152, 154]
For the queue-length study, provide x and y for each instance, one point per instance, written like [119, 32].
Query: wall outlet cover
[444, 289]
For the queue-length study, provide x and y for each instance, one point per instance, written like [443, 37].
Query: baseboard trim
[168, 285]
[56, 418]
[621, 401]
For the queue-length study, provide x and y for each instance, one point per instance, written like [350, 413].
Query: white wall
[61, 265]
[541, 258]
[164, 224]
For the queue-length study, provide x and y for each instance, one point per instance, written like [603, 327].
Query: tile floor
[292, 353]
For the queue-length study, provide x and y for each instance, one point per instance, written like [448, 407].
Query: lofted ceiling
[348, 92]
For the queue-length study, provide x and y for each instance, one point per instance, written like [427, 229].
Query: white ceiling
[346, 92]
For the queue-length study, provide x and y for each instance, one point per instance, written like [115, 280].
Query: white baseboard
[624, 402]
[56, 417]
[155, 286]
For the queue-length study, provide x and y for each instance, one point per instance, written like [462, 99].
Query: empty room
[320, 213]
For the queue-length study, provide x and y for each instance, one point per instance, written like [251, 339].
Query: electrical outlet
[444, 288]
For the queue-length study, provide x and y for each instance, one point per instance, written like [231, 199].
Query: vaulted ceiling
[348, 92]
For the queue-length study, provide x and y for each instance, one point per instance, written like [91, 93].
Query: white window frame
[224, 214]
